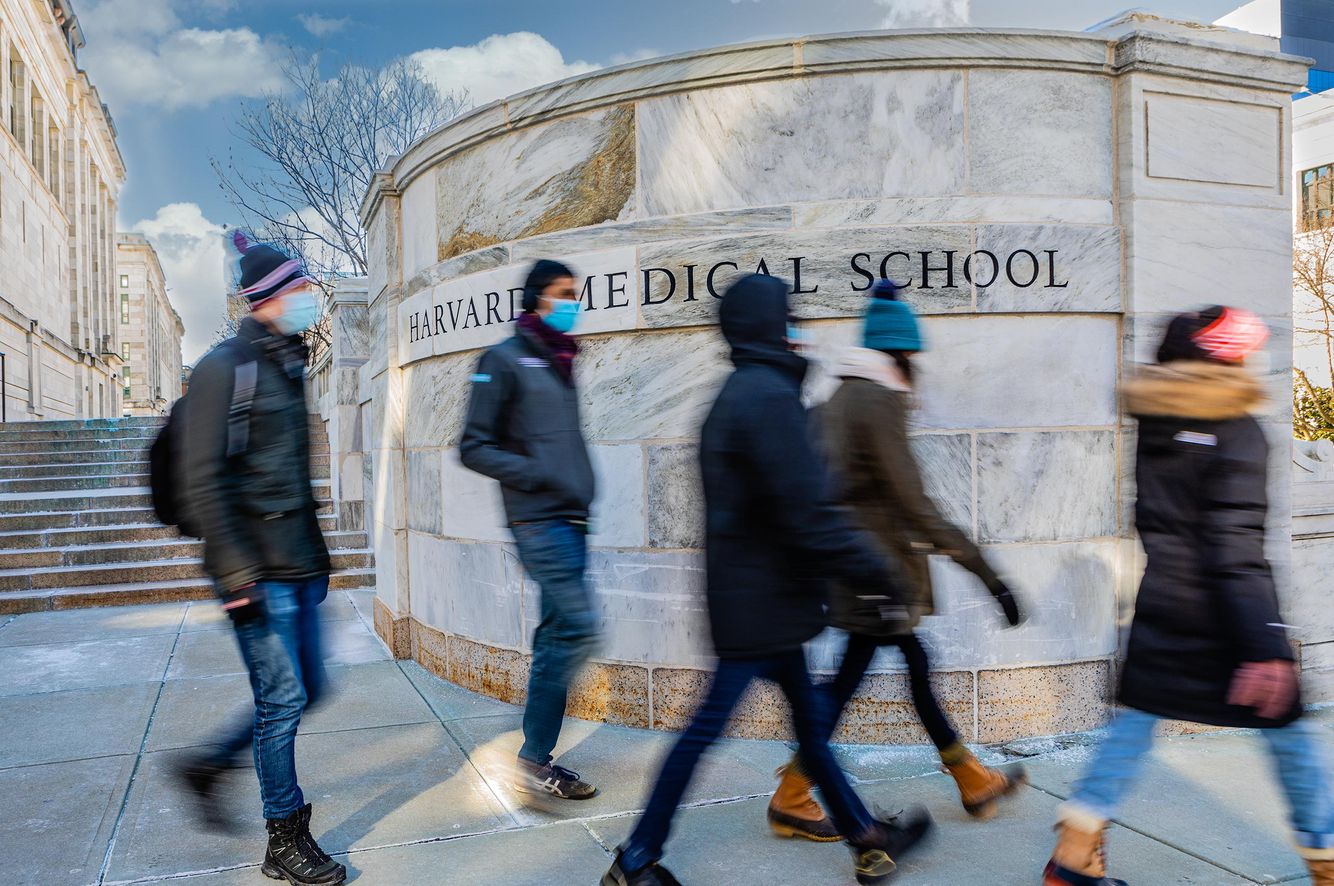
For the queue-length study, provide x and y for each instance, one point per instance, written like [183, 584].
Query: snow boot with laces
[1320, 862]
[793, 812]
[980, 786]
[1080, 856]
[294, 856]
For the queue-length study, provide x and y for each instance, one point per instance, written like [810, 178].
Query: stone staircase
[77, 526]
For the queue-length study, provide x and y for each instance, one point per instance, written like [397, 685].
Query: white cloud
[924, 13]
[139, 53]
[322, 25]
[499, 66]
[193, 255]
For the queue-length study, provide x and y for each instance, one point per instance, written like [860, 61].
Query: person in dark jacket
[246, 485]
[523, 430]
[1207, 643]
[865, 431]
[772, 534]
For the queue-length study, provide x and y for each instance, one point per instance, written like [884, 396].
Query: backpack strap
[238, 416]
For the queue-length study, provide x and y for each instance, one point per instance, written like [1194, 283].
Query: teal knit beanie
[890, 323]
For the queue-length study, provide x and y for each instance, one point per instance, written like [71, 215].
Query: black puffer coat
[1207, 601]
[773, 535]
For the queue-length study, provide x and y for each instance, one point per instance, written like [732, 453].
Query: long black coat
[773, 534]
[1207, 601]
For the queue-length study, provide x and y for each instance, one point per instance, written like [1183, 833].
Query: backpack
[164, 455]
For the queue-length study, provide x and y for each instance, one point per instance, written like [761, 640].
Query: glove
[1008, 604]
[244, 605]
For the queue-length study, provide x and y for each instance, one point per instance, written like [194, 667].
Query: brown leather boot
[980, 786]
[793, 812]
[1320, 862]
[1080, 857]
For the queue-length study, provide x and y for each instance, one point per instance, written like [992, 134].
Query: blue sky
[174, 74]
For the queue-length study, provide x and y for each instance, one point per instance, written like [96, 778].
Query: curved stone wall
[1047, 198]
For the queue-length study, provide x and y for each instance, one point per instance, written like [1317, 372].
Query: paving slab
[215, 653]
[364, 601]
[1228, 774]
[207, 615]
[369, 787]
[76, 724]
[195, 711]
[452, 702]
[58, 666]
[622, 762]
[58, 818]
[561, 853]
[83, 625]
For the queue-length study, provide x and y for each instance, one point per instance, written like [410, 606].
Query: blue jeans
[555, 553]
[1297, 750]
[283, 653]
[812, 715]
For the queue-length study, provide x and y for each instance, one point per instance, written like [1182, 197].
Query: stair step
[136, 497]
[76, 469]
[102, 517]
[75, 484]
[134, 593]
[111, 546]
[52, 577]
[84, 456]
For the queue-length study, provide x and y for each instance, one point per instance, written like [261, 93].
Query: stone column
[342, 411]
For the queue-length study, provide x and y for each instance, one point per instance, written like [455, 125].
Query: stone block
[1010, 209]
[763, 712]
[946, 463]
[436, 400]
[611, 693]
[472, 589]
[675, 497]
[425, 490]
[646, 387]
[1046, 485]
[419, 220]
[963, 384]
[1039, 132]
[1064, 267]
[1046, 700]
[499, 673]
[882, 711]
[472, 503]
[652, 606]
[618, 509]
[430, 649]
[697, 155]
[1240, 139]
[395, 631]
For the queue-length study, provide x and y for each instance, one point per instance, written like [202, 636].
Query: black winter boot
[202, 778]
[294, 855]
[652, 874]
[876, 852]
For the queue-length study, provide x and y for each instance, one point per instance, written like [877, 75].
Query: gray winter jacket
[523, 431]
[255, 510]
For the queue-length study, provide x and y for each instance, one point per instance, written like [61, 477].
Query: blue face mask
[795, 337]
[300, 310]
[564, 313]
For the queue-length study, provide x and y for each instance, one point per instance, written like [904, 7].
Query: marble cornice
[1149, 45]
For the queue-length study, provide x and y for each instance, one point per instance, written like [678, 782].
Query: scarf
[562, 347]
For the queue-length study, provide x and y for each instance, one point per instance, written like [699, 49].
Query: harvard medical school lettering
[617, 295]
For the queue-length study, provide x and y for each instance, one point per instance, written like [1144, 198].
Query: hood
[871, 365]
[753, 317]
[1194, 389]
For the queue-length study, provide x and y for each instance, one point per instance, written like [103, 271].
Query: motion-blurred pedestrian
[1207, 643]
[865, 431]
[523, 431]
[771, 536]
[245, 474]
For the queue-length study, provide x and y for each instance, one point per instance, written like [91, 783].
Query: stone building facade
[1041, 194]
[60, 176]
[150, 330]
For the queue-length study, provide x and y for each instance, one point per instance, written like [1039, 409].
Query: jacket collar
[875, 366]
[288, 352]
[1194, 389]
[789, 363]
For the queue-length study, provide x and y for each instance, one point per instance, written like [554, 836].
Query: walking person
[523, 431]
[1207, 643]
[771, 537]
[865, 431]
[245, 475]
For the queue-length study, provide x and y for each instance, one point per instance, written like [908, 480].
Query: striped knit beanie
[265, 271]
[1217, 335]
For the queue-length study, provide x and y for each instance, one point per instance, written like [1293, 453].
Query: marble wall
[1047, 198]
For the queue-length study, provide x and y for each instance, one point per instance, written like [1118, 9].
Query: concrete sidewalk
[407, 776]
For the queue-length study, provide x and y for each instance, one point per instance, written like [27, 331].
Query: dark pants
[284, 656]
[555, 553]
[857, 658]
[811, 718]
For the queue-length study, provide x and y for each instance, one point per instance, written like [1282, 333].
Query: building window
[125, 350]
[127, 392]
[125, 307]
[124, 281]
[1318, 197]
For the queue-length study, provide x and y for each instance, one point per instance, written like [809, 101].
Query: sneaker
[294, 856]
[876, 855]
[652, 874]
[550, 779]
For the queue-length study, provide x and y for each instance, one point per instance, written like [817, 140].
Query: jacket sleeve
[888, 435]
[480, 449]
[1234, 556]
[796, 492]
[209, 492]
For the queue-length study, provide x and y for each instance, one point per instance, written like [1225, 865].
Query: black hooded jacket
[1207, 602]
[773, 534]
